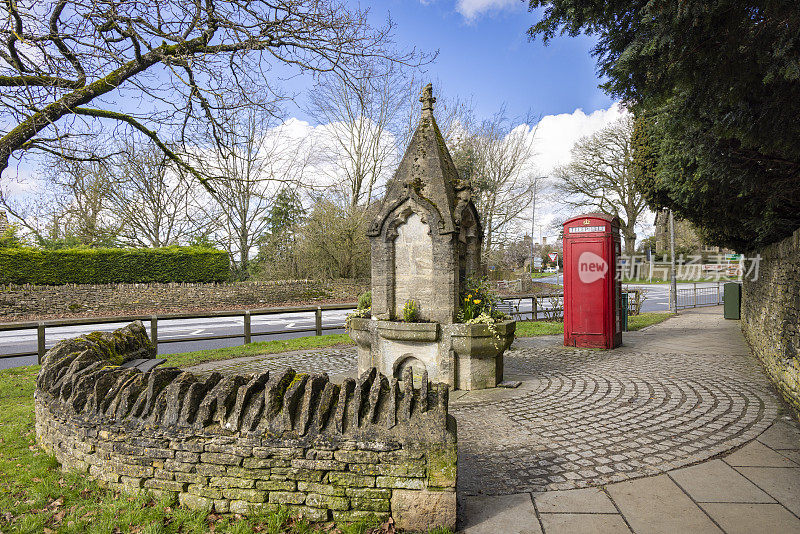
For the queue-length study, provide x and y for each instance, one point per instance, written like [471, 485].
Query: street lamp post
[673, 286]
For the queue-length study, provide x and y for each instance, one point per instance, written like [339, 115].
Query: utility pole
[673, 286]
[533, 219]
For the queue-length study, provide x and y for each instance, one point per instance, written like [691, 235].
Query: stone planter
[479, 353]
[408, 331]
[464, 356]
[359, 330]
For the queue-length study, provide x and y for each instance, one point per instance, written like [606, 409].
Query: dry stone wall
[770, 315]
[239, 443]
[26, 301]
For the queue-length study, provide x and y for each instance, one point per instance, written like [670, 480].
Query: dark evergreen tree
[719, 82]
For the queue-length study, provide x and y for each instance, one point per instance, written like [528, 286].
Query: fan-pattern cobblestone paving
[587, 418]
[590, 418]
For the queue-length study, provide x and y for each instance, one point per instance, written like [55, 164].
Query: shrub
[365, 301]
[108, 266]
[476, 298]
[411, 311]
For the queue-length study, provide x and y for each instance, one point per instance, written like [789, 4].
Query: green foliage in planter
[116, 265]
[365, 300]
[477, 298]
[411, 311]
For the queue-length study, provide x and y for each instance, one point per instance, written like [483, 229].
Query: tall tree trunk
[629, 234]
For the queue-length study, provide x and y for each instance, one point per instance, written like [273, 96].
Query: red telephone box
[592, 291]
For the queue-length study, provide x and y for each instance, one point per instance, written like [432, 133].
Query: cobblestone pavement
[335, 362]
[676, 394]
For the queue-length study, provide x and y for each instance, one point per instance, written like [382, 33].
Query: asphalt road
[261, 326]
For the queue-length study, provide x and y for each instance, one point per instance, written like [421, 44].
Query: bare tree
[156, 204]
[361, 119]
[495, 157]
[66, 61]
[599, 176]
[334, 242]
[260, 162]
[72, 201]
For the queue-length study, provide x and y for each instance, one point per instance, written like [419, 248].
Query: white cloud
[556, 134]
[471, 9]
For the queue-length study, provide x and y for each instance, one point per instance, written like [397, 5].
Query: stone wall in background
[26, 302]
[771, 315]
[236, 443]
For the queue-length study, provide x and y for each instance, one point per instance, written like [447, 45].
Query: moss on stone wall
[771, 314]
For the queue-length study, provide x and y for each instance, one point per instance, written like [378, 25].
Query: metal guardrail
[247, 333]
[699, 296]
[540, 302]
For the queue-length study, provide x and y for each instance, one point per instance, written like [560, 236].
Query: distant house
[3, 222]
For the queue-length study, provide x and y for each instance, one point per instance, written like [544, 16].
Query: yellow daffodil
[477, 301]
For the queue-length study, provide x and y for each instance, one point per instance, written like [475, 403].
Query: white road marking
[289, 325]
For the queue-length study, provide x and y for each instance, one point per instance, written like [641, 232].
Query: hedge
[112, 265]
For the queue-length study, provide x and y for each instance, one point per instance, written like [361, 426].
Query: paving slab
[783, 484]
[656, 505]
[584, 524]
[782, 435]
[792, 455]
[509, 514]
[581, 501]
[741, 518]
[716, 481]
[756, 454]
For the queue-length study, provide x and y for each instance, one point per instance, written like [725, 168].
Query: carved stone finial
[427, 100]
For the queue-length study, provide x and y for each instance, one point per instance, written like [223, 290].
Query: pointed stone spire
[428, 100]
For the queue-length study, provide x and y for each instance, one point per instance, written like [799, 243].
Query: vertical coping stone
[359, 406]
[408, 395]
[391, 404]
[291, 399]
[341, 406]
[326, 405]
[379, 386]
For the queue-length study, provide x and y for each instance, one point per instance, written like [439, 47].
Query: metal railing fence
[694, 297]
[246, 315]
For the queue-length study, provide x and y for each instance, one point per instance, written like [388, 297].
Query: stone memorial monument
[425, 241]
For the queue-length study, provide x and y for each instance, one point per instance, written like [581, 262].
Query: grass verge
[256, 349]
[637, 322]
[552, 328]
[539, 328]
[36, 497]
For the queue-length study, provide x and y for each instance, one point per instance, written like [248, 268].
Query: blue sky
[485, 54]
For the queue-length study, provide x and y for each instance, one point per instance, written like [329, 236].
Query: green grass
[637, 322]
[539, 328]
[256, 349]
[36, 497]
[552, 328]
